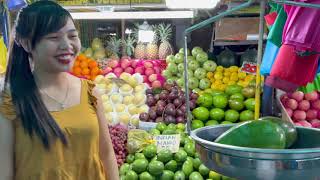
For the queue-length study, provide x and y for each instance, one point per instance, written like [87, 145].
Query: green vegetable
[255, 134]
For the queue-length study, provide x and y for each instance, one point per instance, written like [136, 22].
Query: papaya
[254, 134]
[289, 129]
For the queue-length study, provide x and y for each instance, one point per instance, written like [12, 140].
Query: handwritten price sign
[249, 67]
[171, 142]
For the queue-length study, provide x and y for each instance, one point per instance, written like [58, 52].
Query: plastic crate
[285, 116]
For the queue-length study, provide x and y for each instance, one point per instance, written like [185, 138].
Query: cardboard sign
[249, 67]
[171, 142]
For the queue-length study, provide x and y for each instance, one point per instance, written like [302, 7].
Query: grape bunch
[168, 106]
[119, 134]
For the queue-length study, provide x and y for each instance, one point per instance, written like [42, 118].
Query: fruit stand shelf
[134, 15]
[85, 8]
[235, 43]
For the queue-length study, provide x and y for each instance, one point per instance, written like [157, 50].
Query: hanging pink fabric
[290, 70]
[302, 28]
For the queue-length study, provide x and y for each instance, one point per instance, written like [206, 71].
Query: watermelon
[289, 129]
[254, 134]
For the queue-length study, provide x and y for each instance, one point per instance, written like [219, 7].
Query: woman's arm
[106, 149]
[6, 149]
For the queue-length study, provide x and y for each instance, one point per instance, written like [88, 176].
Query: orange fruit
[87, 76]
[85, 71]
[81, 57]
[95, 71]
[76, 64]
[92, 78]
[77, 71]
[83, 64]
[92, 64]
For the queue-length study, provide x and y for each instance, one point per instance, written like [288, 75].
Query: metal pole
[186, 84]
[123, 37]
[260, 48]
[217, 17]
[294, 3]
[5, 28]
[191, 29]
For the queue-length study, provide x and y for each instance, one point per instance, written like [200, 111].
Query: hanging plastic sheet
[3, 56]
[302, 28]
[290, 70]
[274, 41]
[315, 85]
[269, 56]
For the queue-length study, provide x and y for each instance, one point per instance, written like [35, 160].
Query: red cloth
[271, 18]
[290, 70]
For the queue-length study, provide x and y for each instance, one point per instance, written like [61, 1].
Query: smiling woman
[48, 120]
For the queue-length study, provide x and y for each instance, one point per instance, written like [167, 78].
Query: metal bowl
[302, 161]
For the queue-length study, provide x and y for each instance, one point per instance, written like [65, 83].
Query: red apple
[118, 70]
[107, 70]
[145, 78]
[147, 64]
[113, 63]
[139, 70]
[135, 63]
[153, 77]
[149, 71]
[129, 70]
[156, 84]
[157, 69]
[125, 63]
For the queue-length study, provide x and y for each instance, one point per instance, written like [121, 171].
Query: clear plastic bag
[137, 140]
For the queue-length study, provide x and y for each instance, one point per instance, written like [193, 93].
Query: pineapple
[165, 48]
[128, 45]
[152, 47]
[114, 46]
[111, 51]
[140, 49]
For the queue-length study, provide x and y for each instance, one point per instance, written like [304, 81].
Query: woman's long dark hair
[33, 23]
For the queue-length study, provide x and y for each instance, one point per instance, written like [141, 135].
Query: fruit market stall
[184, 113]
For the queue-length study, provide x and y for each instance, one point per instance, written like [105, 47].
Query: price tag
[249, 67]
[171, 142]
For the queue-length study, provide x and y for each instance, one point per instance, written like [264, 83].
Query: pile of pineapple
[163, 32]
[116, 47]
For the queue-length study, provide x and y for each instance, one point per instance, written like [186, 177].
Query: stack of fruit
[304, 109]
[123, 99]
[223, 77]
[118, 135]
[151, 50]
[184, 164]
[167, 104]
[85, 67]
[214, 107]
[149, 69]
[100, 53]
[198, 66]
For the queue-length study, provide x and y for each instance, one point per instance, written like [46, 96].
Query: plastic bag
[269, 57]
[290, 70]
[137, 140]
[3, 56]
[302, 29]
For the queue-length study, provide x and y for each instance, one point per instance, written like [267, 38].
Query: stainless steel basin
[301, 162]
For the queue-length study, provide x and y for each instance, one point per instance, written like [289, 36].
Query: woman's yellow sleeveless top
[79, 160]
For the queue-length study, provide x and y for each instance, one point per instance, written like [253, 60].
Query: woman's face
[56, 52]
